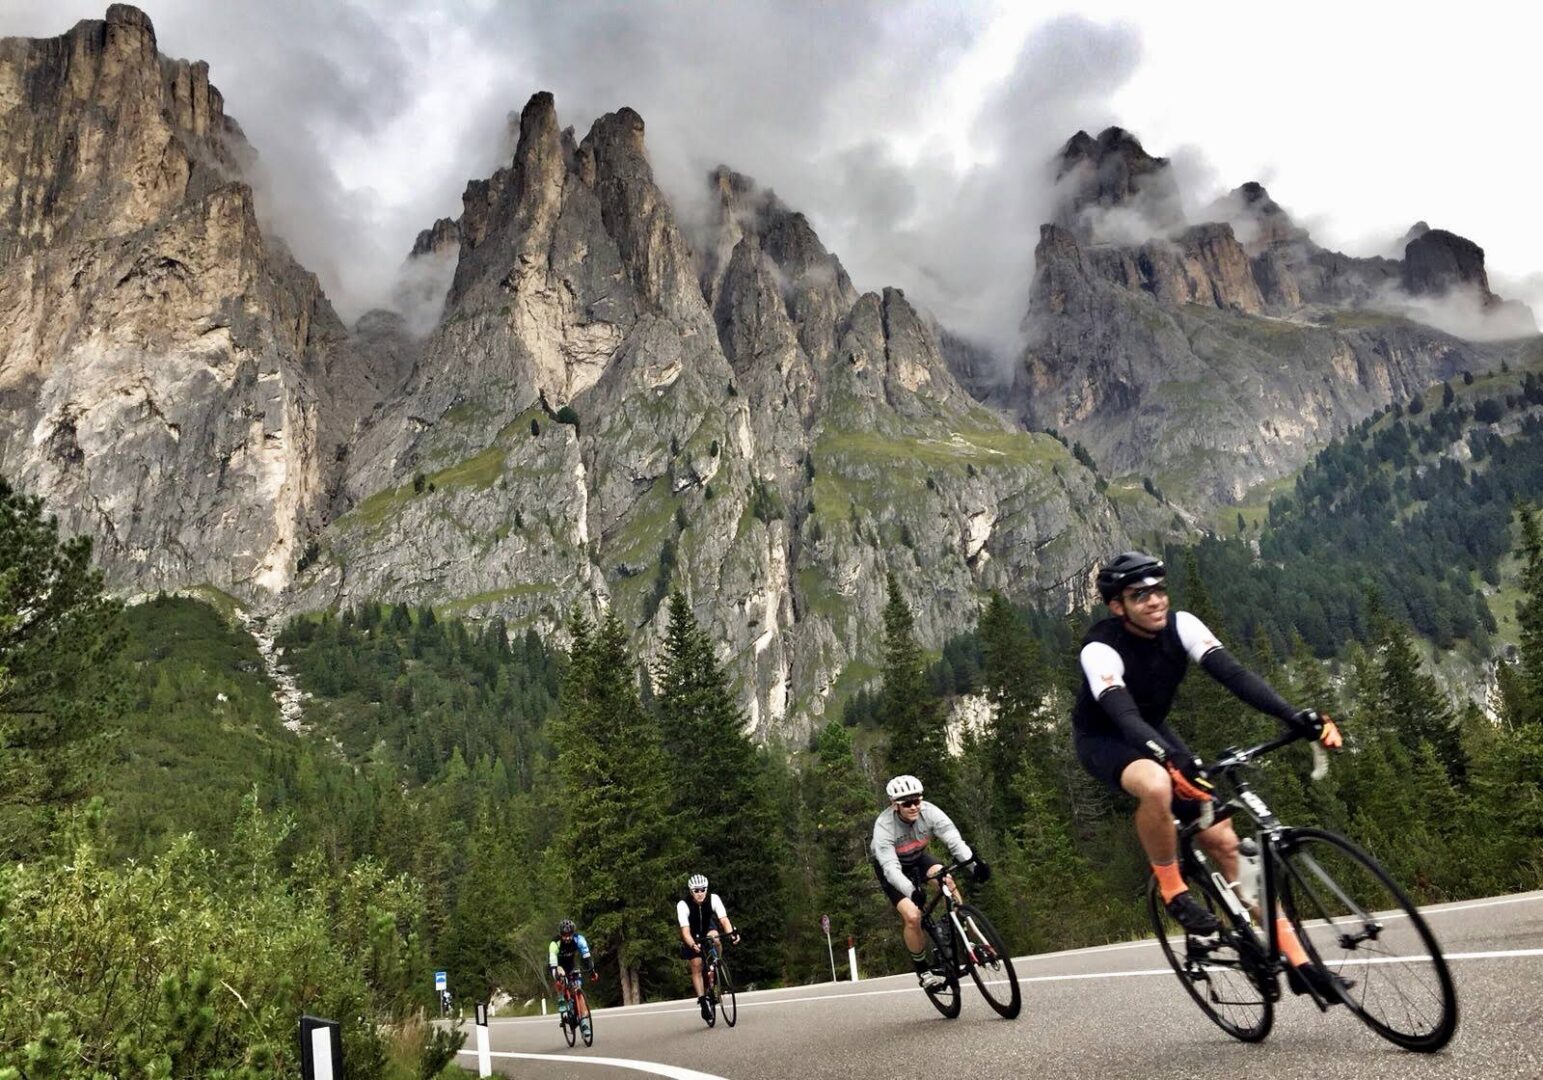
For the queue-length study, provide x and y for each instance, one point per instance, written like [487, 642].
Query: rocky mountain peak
[1436, 261]
[129, 134]
[1111, 189]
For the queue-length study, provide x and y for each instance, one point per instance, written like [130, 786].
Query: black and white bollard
[321, 1049]
[484, 1051]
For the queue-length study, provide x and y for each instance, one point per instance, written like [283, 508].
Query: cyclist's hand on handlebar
[980, 871]
[1189, 779]
[594, 976]
[1316, 725]
[734, 937]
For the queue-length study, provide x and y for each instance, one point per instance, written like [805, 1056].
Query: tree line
[465, 787]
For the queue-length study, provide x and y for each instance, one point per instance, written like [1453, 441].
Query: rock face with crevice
[171, 380]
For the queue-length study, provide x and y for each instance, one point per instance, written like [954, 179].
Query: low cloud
[368, 121]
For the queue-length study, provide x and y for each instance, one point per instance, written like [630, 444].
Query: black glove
[734, 937]
[1306, 722]
[980, 871]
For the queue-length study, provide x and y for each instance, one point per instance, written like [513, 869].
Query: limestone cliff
[605, 411]
[1212, 357]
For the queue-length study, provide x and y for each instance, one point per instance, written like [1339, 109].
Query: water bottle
[1248, 871]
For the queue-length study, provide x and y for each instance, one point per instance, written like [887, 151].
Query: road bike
[718, 983]
[572, 991]
[1353, 920]
[963, 939]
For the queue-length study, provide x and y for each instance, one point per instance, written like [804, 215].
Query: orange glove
[1196, 788]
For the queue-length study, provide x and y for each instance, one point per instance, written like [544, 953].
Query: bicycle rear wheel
[1221, 973]
[586, 1026]
[990, 964]
[726, 1001]
[1356, 922]
[946, 998]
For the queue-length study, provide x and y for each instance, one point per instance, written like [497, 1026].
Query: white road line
[674, 1072]
[1080, 977]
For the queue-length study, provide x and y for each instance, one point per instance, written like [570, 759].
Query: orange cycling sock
[1290, 946]
[1169, 881]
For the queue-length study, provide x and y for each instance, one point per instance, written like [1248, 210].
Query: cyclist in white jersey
[697, 913]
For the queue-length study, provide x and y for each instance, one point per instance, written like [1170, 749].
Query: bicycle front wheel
[1221, 973]
[1356, 922]
[726, 1001]
[990, 964]
[946, 998]
[586, 1025]
[570, 1025]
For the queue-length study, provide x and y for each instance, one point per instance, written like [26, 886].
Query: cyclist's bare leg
[696, 976]
[911, 925]
[582, 1000]
[1148, 782]
[1220, 842]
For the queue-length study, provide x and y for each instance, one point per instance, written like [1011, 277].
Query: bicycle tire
[1238, 997]
[570, 1026]
[989, 953]
[586, 1030]
[728, 1004]
[712, 994]
[1327, 927]
[947, 999]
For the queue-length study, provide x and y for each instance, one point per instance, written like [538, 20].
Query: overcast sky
[914, 134]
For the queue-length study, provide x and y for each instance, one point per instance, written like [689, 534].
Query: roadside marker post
[321, 1049]
[852, 956]
[825, 925]
[484, 1050]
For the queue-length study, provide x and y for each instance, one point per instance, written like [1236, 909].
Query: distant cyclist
[1132, 664]
[700, 915]
[904, 865]
[565, 952]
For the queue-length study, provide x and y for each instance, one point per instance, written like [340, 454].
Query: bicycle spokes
[1398, 981]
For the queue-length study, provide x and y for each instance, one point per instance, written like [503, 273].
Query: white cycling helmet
[902, 787]
[698, 881]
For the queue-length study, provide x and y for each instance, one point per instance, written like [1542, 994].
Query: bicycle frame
[948, 895]
[1270, 833]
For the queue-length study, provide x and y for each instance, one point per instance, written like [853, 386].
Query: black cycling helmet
[1128, 568]
[565, 927]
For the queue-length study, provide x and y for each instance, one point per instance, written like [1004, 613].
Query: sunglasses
[1146, 592]
[699, 890]
[908, 803]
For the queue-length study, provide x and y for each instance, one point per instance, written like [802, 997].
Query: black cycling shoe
[1307, 977]
[707, 1007]
[1191, 914]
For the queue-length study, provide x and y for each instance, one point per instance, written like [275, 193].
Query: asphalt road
[1112, 1012]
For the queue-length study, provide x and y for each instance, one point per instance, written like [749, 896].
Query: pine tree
[918, 742]
[1205, 714]
[1523, 689]
[842, 807]
[1411, 704]
[1014, 681]
[719, 782]
[60, 681]
[617, 838]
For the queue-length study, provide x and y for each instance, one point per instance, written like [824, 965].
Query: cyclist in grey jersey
[903, 864]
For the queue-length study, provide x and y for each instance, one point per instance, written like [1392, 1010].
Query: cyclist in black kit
[1132, 664]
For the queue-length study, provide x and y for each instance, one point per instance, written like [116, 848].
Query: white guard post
[484, 1051]
[852, 956]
